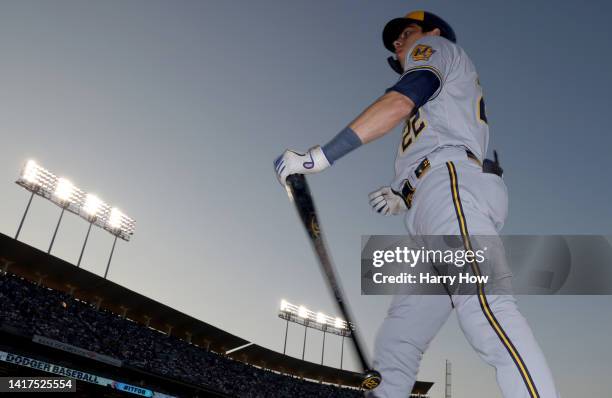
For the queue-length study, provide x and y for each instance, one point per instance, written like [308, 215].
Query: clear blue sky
[174, 111]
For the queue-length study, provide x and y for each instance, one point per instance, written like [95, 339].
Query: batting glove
[387, 202]
[292, 162]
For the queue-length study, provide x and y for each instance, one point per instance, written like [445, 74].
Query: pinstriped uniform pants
[457, 198]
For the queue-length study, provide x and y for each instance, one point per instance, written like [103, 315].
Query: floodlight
[40, 181]
[284, 304]
[64, 190]
[92, 206]
[303, 312]
[115, 218]
[339, 323]
[321, 318]
[37, 179]
[30, 173]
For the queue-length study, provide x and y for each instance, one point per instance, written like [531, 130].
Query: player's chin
[400, 55]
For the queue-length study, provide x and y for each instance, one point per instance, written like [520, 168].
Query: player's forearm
[382, 116]
[377, 120]
[374, 122]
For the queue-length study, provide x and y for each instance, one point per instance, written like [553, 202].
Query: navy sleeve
[419, 86]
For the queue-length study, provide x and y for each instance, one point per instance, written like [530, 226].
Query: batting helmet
[424, 19]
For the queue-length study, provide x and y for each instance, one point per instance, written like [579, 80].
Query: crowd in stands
[50, 313]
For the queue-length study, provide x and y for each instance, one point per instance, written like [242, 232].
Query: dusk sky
[174, 111]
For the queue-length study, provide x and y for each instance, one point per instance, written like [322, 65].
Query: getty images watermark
[412, 257]
[511, 264]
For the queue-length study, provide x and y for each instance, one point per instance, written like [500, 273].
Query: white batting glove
[291, 162]
[387, 202]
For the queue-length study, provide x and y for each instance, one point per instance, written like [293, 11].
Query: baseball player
[442, 188]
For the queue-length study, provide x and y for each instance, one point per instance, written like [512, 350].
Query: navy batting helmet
[424, 19]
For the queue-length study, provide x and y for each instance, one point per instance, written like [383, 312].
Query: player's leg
[506, 343]
[411, 323]
[492, 323]
[413, 320]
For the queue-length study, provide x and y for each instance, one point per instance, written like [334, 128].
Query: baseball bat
[299, 193]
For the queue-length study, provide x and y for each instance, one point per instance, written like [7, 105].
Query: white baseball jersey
[455, 198]
[453, 116]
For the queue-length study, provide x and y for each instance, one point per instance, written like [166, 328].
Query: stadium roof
[38, 266]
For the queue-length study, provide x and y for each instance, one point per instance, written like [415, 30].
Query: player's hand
[292, 162]
[387, 202]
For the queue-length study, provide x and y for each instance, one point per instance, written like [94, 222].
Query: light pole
[56, 228]
[303, 313]
[283, 307]
[322, 320]
[304, 346]
[114, 221]
[64, 191]
[341, 352]
[91, 209]
[110, 257]
[24, 215]
[84, 244]
[323, 348]
[286, 331]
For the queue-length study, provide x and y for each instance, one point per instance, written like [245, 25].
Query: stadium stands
[55, 326]
[42, 311]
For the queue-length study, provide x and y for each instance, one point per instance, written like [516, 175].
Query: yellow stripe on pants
[484, 304]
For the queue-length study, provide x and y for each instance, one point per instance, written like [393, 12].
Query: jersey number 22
[414, 126]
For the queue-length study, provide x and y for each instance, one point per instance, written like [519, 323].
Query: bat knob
[371, 379]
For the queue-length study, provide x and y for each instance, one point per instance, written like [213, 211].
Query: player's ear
[435, 32]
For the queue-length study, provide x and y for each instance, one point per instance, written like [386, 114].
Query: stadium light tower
[319, 321]
[40, 181]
